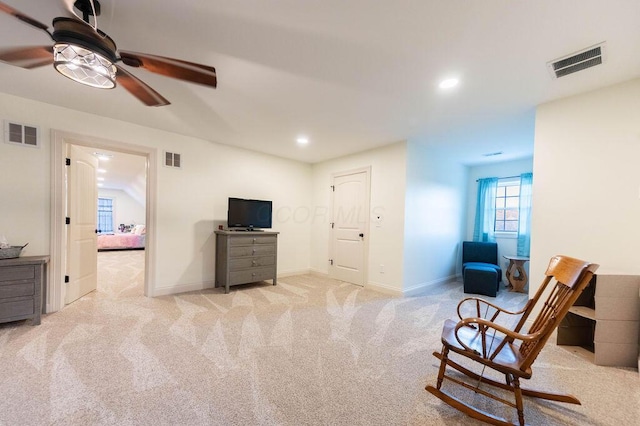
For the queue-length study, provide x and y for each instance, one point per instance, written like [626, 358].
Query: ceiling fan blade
[139, 89]
[28, 57]
[175, 68]
[24, 18]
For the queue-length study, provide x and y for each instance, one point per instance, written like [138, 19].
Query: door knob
[361, 235]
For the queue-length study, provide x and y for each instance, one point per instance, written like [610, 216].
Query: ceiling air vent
[586, 58]
[21, 134]
[172, 159]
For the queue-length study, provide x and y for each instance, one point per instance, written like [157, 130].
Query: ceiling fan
[87, 55]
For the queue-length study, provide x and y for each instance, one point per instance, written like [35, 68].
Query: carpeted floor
[309, 351]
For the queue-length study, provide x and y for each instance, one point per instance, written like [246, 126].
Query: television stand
[245, 257]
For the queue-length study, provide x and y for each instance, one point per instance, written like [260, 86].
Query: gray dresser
[245, 257]
[21, 288]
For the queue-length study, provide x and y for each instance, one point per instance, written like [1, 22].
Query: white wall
[125, 209]
[191, 201]
[506, 245]
[24, 191]
[434, 216]
[586, 200]
[388, 179]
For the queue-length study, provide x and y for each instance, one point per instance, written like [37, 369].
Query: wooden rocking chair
[509, 351]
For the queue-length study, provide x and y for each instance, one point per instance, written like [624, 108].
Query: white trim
[210, 285]
[318, 273]
[419, 288]
[294, 273]
[383, 288]
[510, 181]
[183, 288]
[60, 140]
[506, 235]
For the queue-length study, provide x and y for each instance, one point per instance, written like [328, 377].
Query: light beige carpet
[309, 351]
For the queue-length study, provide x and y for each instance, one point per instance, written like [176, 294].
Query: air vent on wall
[171, 159]
[21, 134]
[586, 58]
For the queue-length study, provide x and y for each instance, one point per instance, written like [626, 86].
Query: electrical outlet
[381, 268]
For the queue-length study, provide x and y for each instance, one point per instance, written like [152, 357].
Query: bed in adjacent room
[133, 240]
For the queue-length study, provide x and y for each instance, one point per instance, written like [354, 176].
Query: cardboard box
[617, 308]
[619, 286]
[575, 330]
[617, 297]
[609, 331]
[616, 354]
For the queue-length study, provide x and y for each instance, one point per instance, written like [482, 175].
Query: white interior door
[350, 227]
[82, 250]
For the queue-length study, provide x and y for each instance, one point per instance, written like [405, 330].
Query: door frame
[55, 294]
[367, 230]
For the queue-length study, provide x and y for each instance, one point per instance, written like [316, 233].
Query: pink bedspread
[120, 241]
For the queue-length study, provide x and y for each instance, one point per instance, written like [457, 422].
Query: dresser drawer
[16, 308]
[251, 262]
[251, 240]
[251, 275]
[14, 273]
[17, 289]
[257, 250]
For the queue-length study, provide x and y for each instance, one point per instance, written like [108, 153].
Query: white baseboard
[318, 273]
[417, 289]
[294, 273]
[182, 288]
[383, 288]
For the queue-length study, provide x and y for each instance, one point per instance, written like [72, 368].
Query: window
[507, 205]
[105, 215]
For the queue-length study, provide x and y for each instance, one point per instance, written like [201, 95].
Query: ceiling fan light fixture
[84, 66]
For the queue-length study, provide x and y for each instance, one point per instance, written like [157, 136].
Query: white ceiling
[125, 172]
[349, 74]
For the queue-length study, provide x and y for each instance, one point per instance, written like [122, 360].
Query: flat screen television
[249, 214]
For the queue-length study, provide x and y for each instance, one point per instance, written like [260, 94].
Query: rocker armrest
[479, 304]
[483, 326]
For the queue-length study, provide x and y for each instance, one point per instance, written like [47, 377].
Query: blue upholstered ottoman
[480, 279]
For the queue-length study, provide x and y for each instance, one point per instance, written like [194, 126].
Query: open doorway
[121, 222]
[137, 264]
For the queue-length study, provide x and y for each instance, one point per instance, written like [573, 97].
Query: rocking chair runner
[510, 351]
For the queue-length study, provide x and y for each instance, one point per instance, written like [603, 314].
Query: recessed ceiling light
[102, 171]
[302, 140]
[449, 83]
[100, 179]
[100, 184]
